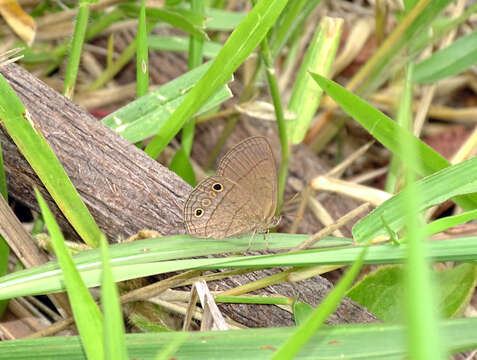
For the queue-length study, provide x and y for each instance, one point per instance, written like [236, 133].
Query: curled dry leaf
[18, 20]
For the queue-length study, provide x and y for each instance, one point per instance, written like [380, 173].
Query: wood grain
[124, 189]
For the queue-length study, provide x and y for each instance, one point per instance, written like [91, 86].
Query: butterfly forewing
[251, 165]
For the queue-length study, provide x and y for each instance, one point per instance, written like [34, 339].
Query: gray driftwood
[127, 191]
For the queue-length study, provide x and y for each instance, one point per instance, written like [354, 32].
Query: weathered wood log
[124, 189]
[127, 191]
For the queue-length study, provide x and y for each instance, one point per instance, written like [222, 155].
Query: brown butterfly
[241, 198]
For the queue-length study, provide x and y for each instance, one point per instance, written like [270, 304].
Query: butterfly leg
[251, 240]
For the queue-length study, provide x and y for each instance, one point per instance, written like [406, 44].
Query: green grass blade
[409, 4]
[76, 48]
[122, 60]
[196, 43]
[304, 333]
[384, 129]
[267, 59]
[394, 175]
[417, 20]
[143, 117]
[27, 136]
[306, 95]
[254, 299]
[114, 340]
[448, 222]
[181, 165]
[293, 16]
[424, 341]
[87, 315]
[352, 341]
[440, 27]
[142, 61]
[176, 253]
[223, 20]
[434, 189]
[181, 44]
[238, 47]
[452, 60]
[94, 29]
[388, 133]
[184, 20]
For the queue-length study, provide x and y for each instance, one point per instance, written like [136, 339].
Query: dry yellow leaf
[18, 20]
